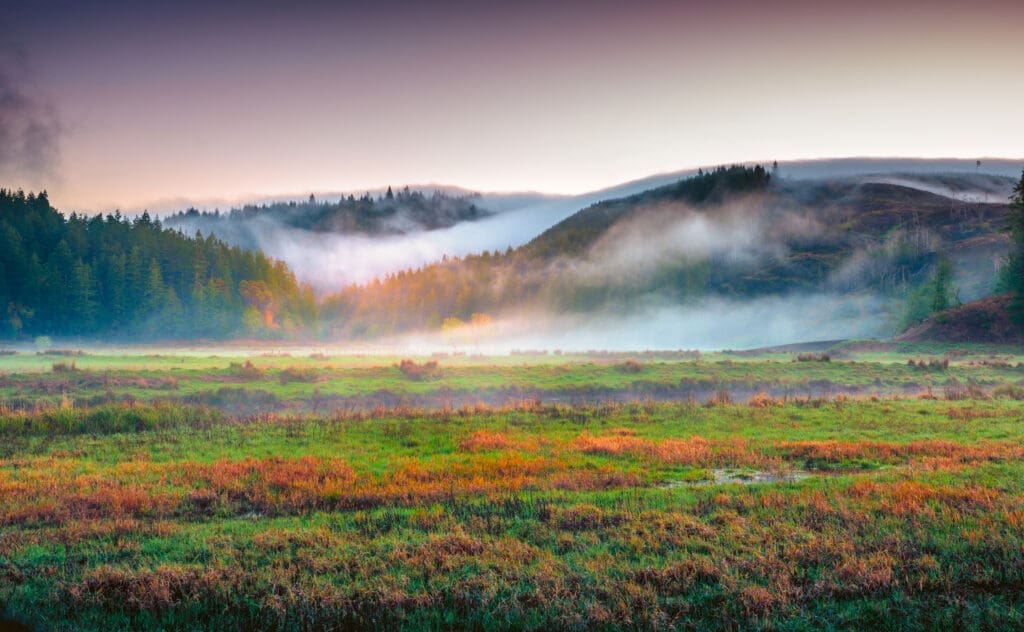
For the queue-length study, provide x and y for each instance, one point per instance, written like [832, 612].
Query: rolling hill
[732, 233]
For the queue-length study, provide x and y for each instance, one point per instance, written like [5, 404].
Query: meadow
[241, 381]
[846, 504]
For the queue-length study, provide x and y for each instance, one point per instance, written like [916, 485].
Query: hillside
[574, 235]
[731, 233]
[986, 320]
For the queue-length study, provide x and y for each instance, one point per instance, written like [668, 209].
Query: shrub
[721, 397]
[629, 366]
[955, 390]
[248, 370]
[1009, 391]
[413, 371]
[932, 364]
[813, 357]
[764, 400]
[297, 374]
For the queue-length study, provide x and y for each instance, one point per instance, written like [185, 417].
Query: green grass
[334, 381]
[907, 513]
[894, 541]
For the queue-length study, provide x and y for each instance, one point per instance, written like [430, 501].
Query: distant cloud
[29, 127]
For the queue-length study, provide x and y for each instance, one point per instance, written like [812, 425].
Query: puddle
[723, 476]
[749, 477]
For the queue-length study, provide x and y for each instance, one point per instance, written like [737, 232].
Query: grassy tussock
[304, 375]
[424, 371]
[247, 371]
[106, 419]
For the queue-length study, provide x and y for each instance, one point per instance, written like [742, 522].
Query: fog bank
[709, 324]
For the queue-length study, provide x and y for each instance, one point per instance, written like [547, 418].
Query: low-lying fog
[712, 324]
[329, 261]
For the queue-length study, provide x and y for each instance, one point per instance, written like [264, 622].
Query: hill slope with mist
[352, 240]
[734, 257]
[843, 253]
[376, 242]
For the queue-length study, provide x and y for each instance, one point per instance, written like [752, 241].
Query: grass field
[314, 382]
[875, 507]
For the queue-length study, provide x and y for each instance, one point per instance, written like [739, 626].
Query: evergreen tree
[156, 292]
[1013, 274]
[81, 299]
[97, 276]
[943, 293]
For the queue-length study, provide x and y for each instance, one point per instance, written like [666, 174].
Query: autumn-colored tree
[479, 323]
[258, 294]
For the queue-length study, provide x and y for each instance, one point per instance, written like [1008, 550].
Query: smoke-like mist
[964, 187]
[708, 324]
[329, 261]
[29, 128]
[750, 233]
[741, 233]
[854, 167]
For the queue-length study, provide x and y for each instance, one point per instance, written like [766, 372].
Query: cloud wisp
[30, 128]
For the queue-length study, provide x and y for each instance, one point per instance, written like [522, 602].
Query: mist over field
[758, 268]
[707, 324]
[546, 315]
[731, 257]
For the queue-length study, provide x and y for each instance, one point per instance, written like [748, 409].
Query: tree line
[390, 213]
[117, 277]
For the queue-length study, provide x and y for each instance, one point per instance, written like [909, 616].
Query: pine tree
[156, 292]
[943, 293]
[81, 299]
[1014, 272]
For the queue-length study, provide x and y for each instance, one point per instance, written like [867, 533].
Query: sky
[130, 104]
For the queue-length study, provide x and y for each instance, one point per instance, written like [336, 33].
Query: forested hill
[732, 233]
[575, 235]
[391, 213]
[116, 277]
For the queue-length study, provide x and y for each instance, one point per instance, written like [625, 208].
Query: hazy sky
[120, 104]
